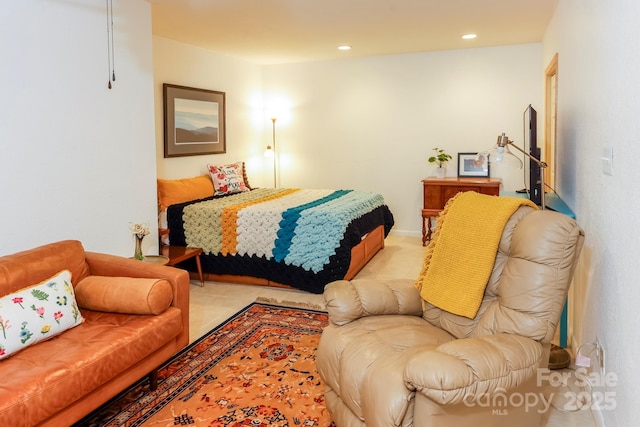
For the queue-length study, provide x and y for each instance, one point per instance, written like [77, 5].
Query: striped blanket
[295, 229]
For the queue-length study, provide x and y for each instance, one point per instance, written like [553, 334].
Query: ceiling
[284, 31]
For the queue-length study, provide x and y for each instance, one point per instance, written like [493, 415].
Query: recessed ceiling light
[469, 36]
[344, 47]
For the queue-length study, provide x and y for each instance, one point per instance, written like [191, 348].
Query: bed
[299, 238]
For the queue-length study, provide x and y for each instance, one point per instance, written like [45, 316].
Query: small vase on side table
[138, 251]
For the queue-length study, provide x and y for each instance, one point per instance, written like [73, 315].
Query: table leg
[426, 229]
[153, 380]
[199, 271]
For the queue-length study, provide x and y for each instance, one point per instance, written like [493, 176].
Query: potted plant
[440, 158]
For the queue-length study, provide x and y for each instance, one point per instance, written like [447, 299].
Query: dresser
[437, 191]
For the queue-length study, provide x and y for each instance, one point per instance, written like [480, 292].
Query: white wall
[358, 123]
[598, 107]
[371, 123]
[76, 159]
[185, 65]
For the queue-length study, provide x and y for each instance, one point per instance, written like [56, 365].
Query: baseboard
[406, 233]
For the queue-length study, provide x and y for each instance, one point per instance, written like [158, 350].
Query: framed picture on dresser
[472, 165]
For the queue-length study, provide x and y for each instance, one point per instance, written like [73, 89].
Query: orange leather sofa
[58, 381]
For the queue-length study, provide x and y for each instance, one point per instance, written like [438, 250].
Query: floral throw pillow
[228, 179]
[37, 313]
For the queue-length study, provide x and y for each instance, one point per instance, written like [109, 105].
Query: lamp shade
[269, 151]
[500, 154]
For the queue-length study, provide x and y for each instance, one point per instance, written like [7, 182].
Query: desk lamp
[559, 357]
[501, 148]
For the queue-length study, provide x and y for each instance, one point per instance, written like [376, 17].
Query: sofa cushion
[43, 379]
[25, 268]
[37, 313]
[363, 362]
[124, 294]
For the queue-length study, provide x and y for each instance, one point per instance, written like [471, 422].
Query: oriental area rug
[256, 369]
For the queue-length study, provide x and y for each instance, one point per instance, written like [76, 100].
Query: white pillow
[37, 313]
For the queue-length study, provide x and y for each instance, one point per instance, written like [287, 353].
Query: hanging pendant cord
[108, 47]
[111, 58]
[113, 47]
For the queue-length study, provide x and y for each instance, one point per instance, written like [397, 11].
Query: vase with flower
[139, 231]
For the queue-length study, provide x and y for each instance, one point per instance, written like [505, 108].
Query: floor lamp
[271, 151]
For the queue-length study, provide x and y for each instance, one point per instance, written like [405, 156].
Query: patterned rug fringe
[296, 304]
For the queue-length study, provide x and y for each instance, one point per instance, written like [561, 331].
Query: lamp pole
[273, 127]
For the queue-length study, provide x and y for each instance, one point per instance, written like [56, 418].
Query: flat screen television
[535, 179]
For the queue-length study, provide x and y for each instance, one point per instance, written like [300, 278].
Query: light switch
[607, 161]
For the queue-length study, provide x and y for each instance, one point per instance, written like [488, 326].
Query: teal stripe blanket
[283, 232]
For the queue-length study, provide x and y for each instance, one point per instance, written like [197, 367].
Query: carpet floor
[255, 369]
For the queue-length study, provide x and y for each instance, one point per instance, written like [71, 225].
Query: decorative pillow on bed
[228, 179]
[172, 192]
[37, 313]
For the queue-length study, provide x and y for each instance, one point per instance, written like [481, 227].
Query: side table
[437, 191]
[177, 254]
[157, 259]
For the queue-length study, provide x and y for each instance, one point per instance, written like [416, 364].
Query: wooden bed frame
[361, 254]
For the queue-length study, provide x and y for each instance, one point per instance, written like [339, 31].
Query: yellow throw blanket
[461, 255]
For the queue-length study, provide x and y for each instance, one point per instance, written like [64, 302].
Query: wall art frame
[194, 121]
[470, 165]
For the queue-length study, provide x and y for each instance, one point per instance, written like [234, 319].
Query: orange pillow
[171, 192]
[130, 295]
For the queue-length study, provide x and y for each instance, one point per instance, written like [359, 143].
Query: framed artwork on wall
[194, 121]
[470, 165]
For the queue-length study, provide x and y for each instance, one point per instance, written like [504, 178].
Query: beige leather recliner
[390, 359]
